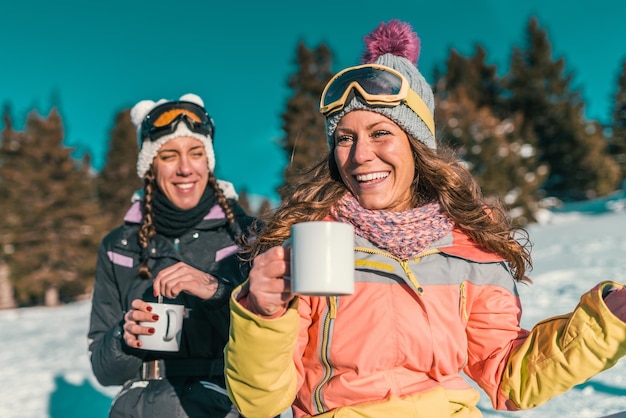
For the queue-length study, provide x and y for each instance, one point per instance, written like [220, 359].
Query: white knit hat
[149, 149]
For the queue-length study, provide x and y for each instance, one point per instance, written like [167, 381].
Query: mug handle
[171, 325]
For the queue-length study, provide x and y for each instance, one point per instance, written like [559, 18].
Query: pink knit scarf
[404, 234]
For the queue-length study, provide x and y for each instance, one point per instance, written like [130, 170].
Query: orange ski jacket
[398, 345]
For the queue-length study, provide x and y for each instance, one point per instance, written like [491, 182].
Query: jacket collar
[134, 215]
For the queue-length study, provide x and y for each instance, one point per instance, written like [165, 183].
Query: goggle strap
[415, 102]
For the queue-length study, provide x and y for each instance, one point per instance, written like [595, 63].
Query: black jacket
[208, 247]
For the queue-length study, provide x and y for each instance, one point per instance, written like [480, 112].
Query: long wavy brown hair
[439, 176]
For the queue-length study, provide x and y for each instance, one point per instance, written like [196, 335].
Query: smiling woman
[436, 273]
[178, 245]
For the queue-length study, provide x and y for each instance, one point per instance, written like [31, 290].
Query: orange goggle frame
[164, 119]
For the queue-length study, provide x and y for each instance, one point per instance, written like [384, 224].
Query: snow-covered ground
[45, 371]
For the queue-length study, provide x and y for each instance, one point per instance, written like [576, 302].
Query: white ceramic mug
[322, 258]
[167, 330]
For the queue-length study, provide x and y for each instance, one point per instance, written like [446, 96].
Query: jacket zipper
[324, 355]
[463, 311]
[463, 301]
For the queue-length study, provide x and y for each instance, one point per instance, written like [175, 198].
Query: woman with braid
[179, 243]
[436, 270]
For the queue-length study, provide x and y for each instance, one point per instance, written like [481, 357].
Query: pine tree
[244, 201]
[10, 143]
[498, 156]
[470, 117]
[305, 141]
[572, 148]
[617, 141]
[465, 78]
[52, 225]
[477, 78]
[264, 208]
[117, 181]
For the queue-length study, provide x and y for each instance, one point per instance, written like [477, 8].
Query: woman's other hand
[616, 302]
[181, 277]
[140, 312]
[269, 293]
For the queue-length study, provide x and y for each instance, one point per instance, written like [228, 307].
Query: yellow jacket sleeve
[261, 377]
[563, 351]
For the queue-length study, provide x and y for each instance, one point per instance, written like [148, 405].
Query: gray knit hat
[396, 46]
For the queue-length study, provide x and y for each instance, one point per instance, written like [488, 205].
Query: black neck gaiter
[171, 221]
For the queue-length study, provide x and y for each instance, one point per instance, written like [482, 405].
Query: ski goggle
[164, 119]
[378, 86]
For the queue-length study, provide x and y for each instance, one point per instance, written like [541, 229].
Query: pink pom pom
[394, 37]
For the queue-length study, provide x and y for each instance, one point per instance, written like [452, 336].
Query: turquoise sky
[96, 58]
